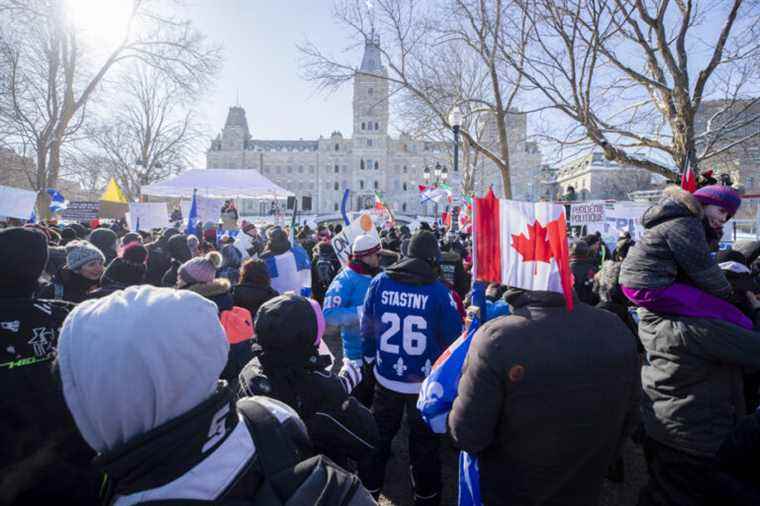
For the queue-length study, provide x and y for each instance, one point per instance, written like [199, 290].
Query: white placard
[208, 209]
[150, 215]
[622, 217]
[342, 242]
[587, 212]
[17, 203]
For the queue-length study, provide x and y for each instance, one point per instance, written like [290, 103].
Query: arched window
[377, 165]
[377, 185]
[361, 184]
[335, 186]
[361, 164]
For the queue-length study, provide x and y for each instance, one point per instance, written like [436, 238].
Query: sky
[259, 39]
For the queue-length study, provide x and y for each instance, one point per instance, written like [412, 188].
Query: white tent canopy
[218, 183]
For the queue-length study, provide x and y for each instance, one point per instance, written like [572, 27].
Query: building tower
[235, 132]
[371, 93]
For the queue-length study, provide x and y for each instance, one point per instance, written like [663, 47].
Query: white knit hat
[365, 245]
[78, 253]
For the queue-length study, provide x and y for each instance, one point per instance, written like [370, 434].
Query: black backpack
[288, 480]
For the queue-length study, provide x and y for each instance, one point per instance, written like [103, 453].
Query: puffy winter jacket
[692, 379]
[343, 304]
[674, 247]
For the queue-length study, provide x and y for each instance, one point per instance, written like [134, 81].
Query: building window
[361, 184]
[404, 186]
[370, 91]
[404, 169]
[363, 125]
[377, 165]
[336, 168]
[290, 169]
[377, 126]
[335, 206]
[335, 186]
[337, 147]
[377, 185]
[405, 148]
[361, 164]
[403, 206]
[369, 142]
[306, 203]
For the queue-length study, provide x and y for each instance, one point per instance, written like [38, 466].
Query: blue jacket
[407, 324]
[343, 304]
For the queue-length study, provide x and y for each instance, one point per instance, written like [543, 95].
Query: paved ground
[397, 491]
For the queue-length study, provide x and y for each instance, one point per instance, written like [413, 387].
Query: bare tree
[49, 75]
[421, 48]
[634, 76]
[152, 134]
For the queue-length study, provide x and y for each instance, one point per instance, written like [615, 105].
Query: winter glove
[350, 374]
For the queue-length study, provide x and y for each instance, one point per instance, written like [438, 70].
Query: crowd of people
[165, 367]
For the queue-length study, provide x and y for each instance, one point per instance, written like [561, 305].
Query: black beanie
[121, 274]
[23, 256]
[424, 246]
[80, 230]
[286, 324]
[68, 234]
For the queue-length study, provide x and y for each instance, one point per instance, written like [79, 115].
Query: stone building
[524, 157]
[318, 171]
[593, 177]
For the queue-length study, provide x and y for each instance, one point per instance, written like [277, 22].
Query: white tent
[218, 183]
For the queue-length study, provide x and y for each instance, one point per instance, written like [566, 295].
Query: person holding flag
[546, 397]
[409, 318]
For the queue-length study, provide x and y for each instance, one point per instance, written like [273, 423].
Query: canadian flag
[522, 245]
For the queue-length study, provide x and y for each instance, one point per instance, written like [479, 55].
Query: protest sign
[17, 203]
[208, 209]
[81, 211]
[148, 215]
[619, 218]
[342, 242]
[586, 213]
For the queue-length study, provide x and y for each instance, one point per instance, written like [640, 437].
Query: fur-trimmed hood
[675, 203]
[217, 287]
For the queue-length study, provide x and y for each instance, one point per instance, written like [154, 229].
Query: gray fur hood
[675, 203]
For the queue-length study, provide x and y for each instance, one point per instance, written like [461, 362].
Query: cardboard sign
[342, 242]
[81, 211]
[586, 213]
[148, 215]
[17, 203]
[208, 209]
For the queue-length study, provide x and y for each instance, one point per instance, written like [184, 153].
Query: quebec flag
[434, 403]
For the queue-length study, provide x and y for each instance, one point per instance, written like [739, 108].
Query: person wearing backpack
[140, 370]
[199, 275]
[288, 367]
[325, 266]
[343, 305]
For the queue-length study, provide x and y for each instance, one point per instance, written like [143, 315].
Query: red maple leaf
[535, 247]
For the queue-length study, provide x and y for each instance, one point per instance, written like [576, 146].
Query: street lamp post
[455, 120]
[440, 174]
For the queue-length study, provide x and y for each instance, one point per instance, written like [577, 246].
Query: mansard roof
[236, 118]
[278, 145]
[372, 59]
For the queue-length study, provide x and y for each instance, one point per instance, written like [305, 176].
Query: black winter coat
[43, 459]
[545, 401]
[339, 426]
[251, 297]
[75, 287]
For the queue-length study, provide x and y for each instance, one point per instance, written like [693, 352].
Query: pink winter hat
[719, 195]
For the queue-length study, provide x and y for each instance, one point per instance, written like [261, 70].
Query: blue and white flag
[192, 216]
[57, 202]
[437, 395]
[33, 217]
[290, 271]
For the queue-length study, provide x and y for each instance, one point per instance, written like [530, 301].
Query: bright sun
[102, 22]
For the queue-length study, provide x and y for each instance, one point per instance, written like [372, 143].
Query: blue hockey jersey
[405, 327]
[343, 305]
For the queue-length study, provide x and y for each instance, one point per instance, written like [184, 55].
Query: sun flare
[102, 22]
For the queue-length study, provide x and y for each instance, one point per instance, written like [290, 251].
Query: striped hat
[719, 195]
